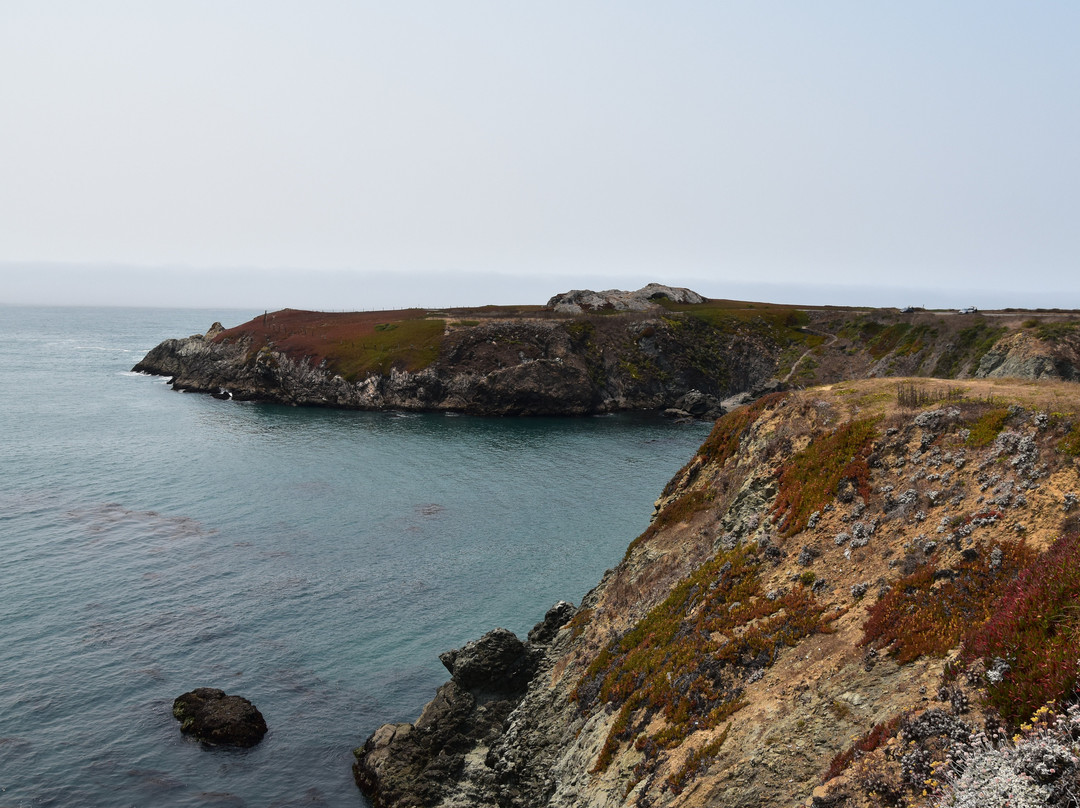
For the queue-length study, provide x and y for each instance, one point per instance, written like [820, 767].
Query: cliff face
[593, 352]
[524, 366]
[836, 592]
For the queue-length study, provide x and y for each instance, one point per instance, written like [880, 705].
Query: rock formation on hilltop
[837, 595]
[579, 301]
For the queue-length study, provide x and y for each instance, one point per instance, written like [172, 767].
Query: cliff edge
[862, 594]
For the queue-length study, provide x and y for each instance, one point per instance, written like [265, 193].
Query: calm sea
[316, 562]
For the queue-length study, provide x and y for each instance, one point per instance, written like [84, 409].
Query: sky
[345, 154]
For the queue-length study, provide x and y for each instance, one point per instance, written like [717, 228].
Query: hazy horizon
[253, 289]
[270, 154]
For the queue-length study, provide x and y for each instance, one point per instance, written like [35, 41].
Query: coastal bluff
[584, 352]
[860, 594]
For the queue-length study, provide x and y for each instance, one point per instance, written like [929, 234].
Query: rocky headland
[861, 594]
[861, 591]
[590, 352]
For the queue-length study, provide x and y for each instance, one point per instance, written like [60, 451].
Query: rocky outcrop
[1023, 356]
[213, 717]
[578, 301]
[416, 764]
[590, 352]
[746, 638]
[522, 367]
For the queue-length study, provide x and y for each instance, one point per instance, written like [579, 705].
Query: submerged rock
[211, 716]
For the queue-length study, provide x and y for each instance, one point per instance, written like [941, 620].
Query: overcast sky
[353, 154]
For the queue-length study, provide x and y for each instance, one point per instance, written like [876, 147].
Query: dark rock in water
[209, 715]
[699, 405]
[498, 664]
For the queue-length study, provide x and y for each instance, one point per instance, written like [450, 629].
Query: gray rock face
[213, 717]
[498, 664]
[578, 301]
[455, 743]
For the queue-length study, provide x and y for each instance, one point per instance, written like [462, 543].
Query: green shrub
[810, 480]
[987, 428]
[1070, 444]
[684, 659]
[409, 345]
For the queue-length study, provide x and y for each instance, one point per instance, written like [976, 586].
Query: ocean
[314, 561]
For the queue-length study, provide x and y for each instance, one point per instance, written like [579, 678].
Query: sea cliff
[595, 352]
[858, 594]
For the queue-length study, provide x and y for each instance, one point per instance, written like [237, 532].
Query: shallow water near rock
[314, 561]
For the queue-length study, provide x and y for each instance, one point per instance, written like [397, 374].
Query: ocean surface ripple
[314, 561]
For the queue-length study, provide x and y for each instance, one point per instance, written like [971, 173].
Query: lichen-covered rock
[213, 717]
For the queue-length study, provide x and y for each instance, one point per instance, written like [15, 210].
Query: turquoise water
[314, 561]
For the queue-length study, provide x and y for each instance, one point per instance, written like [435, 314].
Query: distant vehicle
[968, 310]
[910, 309]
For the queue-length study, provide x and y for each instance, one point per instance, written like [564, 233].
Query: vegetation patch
[986, 429]
[783, 325]
[810, 480]
[1030, 643]
[697, 761]
[1070, 444]
[688, 658]
[1056, 332]
[927, 612]
[970, 345]
[406, 345]
[887, 340]
[874, 738]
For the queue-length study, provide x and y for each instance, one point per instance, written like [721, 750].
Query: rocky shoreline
[568, 364]
[585, 353]
[733, 654]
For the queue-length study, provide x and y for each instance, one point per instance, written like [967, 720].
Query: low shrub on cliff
[1070, 444]
[1031, 641]
[810, 479]
[968, 347]
[688, 658]
[930, 610]
[1055, 332]
[986, 429]
[864, 745]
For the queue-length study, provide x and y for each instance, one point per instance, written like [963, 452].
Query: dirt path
[807, 352]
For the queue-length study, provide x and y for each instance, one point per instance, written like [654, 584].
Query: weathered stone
[577, 301]
[557, 617]
[213, 717]
[496, 664]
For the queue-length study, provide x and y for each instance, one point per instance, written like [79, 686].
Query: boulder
[699, 405]
[496, 665]
[213, 717]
